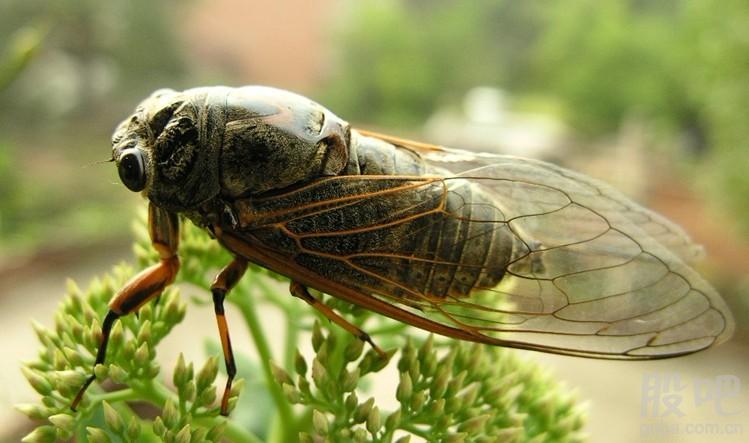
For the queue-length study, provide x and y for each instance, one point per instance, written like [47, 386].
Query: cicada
[487, 248]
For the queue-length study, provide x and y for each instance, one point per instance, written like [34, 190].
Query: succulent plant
[448, 390]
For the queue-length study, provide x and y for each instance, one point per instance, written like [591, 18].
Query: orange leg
[225, 280]
[300, 291]
[148, 284]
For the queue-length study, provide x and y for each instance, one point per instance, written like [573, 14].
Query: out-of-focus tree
[607, 59]
[716, 67]
[96, 59]
[94, 51]
[20, 49]
[679, 66]
[399, 60]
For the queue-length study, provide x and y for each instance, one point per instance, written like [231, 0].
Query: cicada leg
[300, 291]
[225, 280]
[163, 228]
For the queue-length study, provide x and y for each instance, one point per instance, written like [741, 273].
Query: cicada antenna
[98, 162]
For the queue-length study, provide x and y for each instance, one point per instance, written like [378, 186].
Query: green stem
[247, 308]
[114, 396]
[322, 406]
[335, 359]
[232, 432]
[276, 430]
[152, 391]
[388, 330]
[415, 431]
[292, 337]
[269, 292]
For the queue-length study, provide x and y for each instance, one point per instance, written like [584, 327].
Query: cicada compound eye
[132, 169]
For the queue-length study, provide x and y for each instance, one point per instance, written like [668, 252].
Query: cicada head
[158, 149]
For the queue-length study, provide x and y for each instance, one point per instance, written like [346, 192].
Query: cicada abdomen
[390, 224]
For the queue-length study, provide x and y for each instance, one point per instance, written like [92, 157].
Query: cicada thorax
[274, 139]
[207, 144]
[387, 224]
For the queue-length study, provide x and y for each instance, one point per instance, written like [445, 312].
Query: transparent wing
[501, 250]
[600, 275]
[465, 163]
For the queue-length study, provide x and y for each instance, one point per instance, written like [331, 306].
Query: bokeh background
[652, 97]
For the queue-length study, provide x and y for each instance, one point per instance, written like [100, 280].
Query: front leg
[163, 227]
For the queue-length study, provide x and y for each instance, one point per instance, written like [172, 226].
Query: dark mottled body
[481, 247]
[493, 249]
[236, 157]
[416, 231]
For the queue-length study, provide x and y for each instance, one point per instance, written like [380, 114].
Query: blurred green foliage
[449, 391]
[68, 70]
[717, 68]
[8, 182]
[20, 49]
[399, 60]
[606, 59]
[97, 51]
[680, 66]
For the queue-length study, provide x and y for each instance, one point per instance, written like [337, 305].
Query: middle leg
[225, 280]
[300, 291]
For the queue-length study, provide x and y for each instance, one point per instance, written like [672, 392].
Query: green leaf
[207, 374]
[280, 374]
[374, 421]
[112, 418]
[319, 422]
[97, 435]
[169, 415]
[39, 382]
[64, 422]
[42, 434]
[405, 388]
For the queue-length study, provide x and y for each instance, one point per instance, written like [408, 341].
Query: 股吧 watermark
[666, 398]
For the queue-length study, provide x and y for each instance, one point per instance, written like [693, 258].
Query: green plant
[402, 60]
[448, 390]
